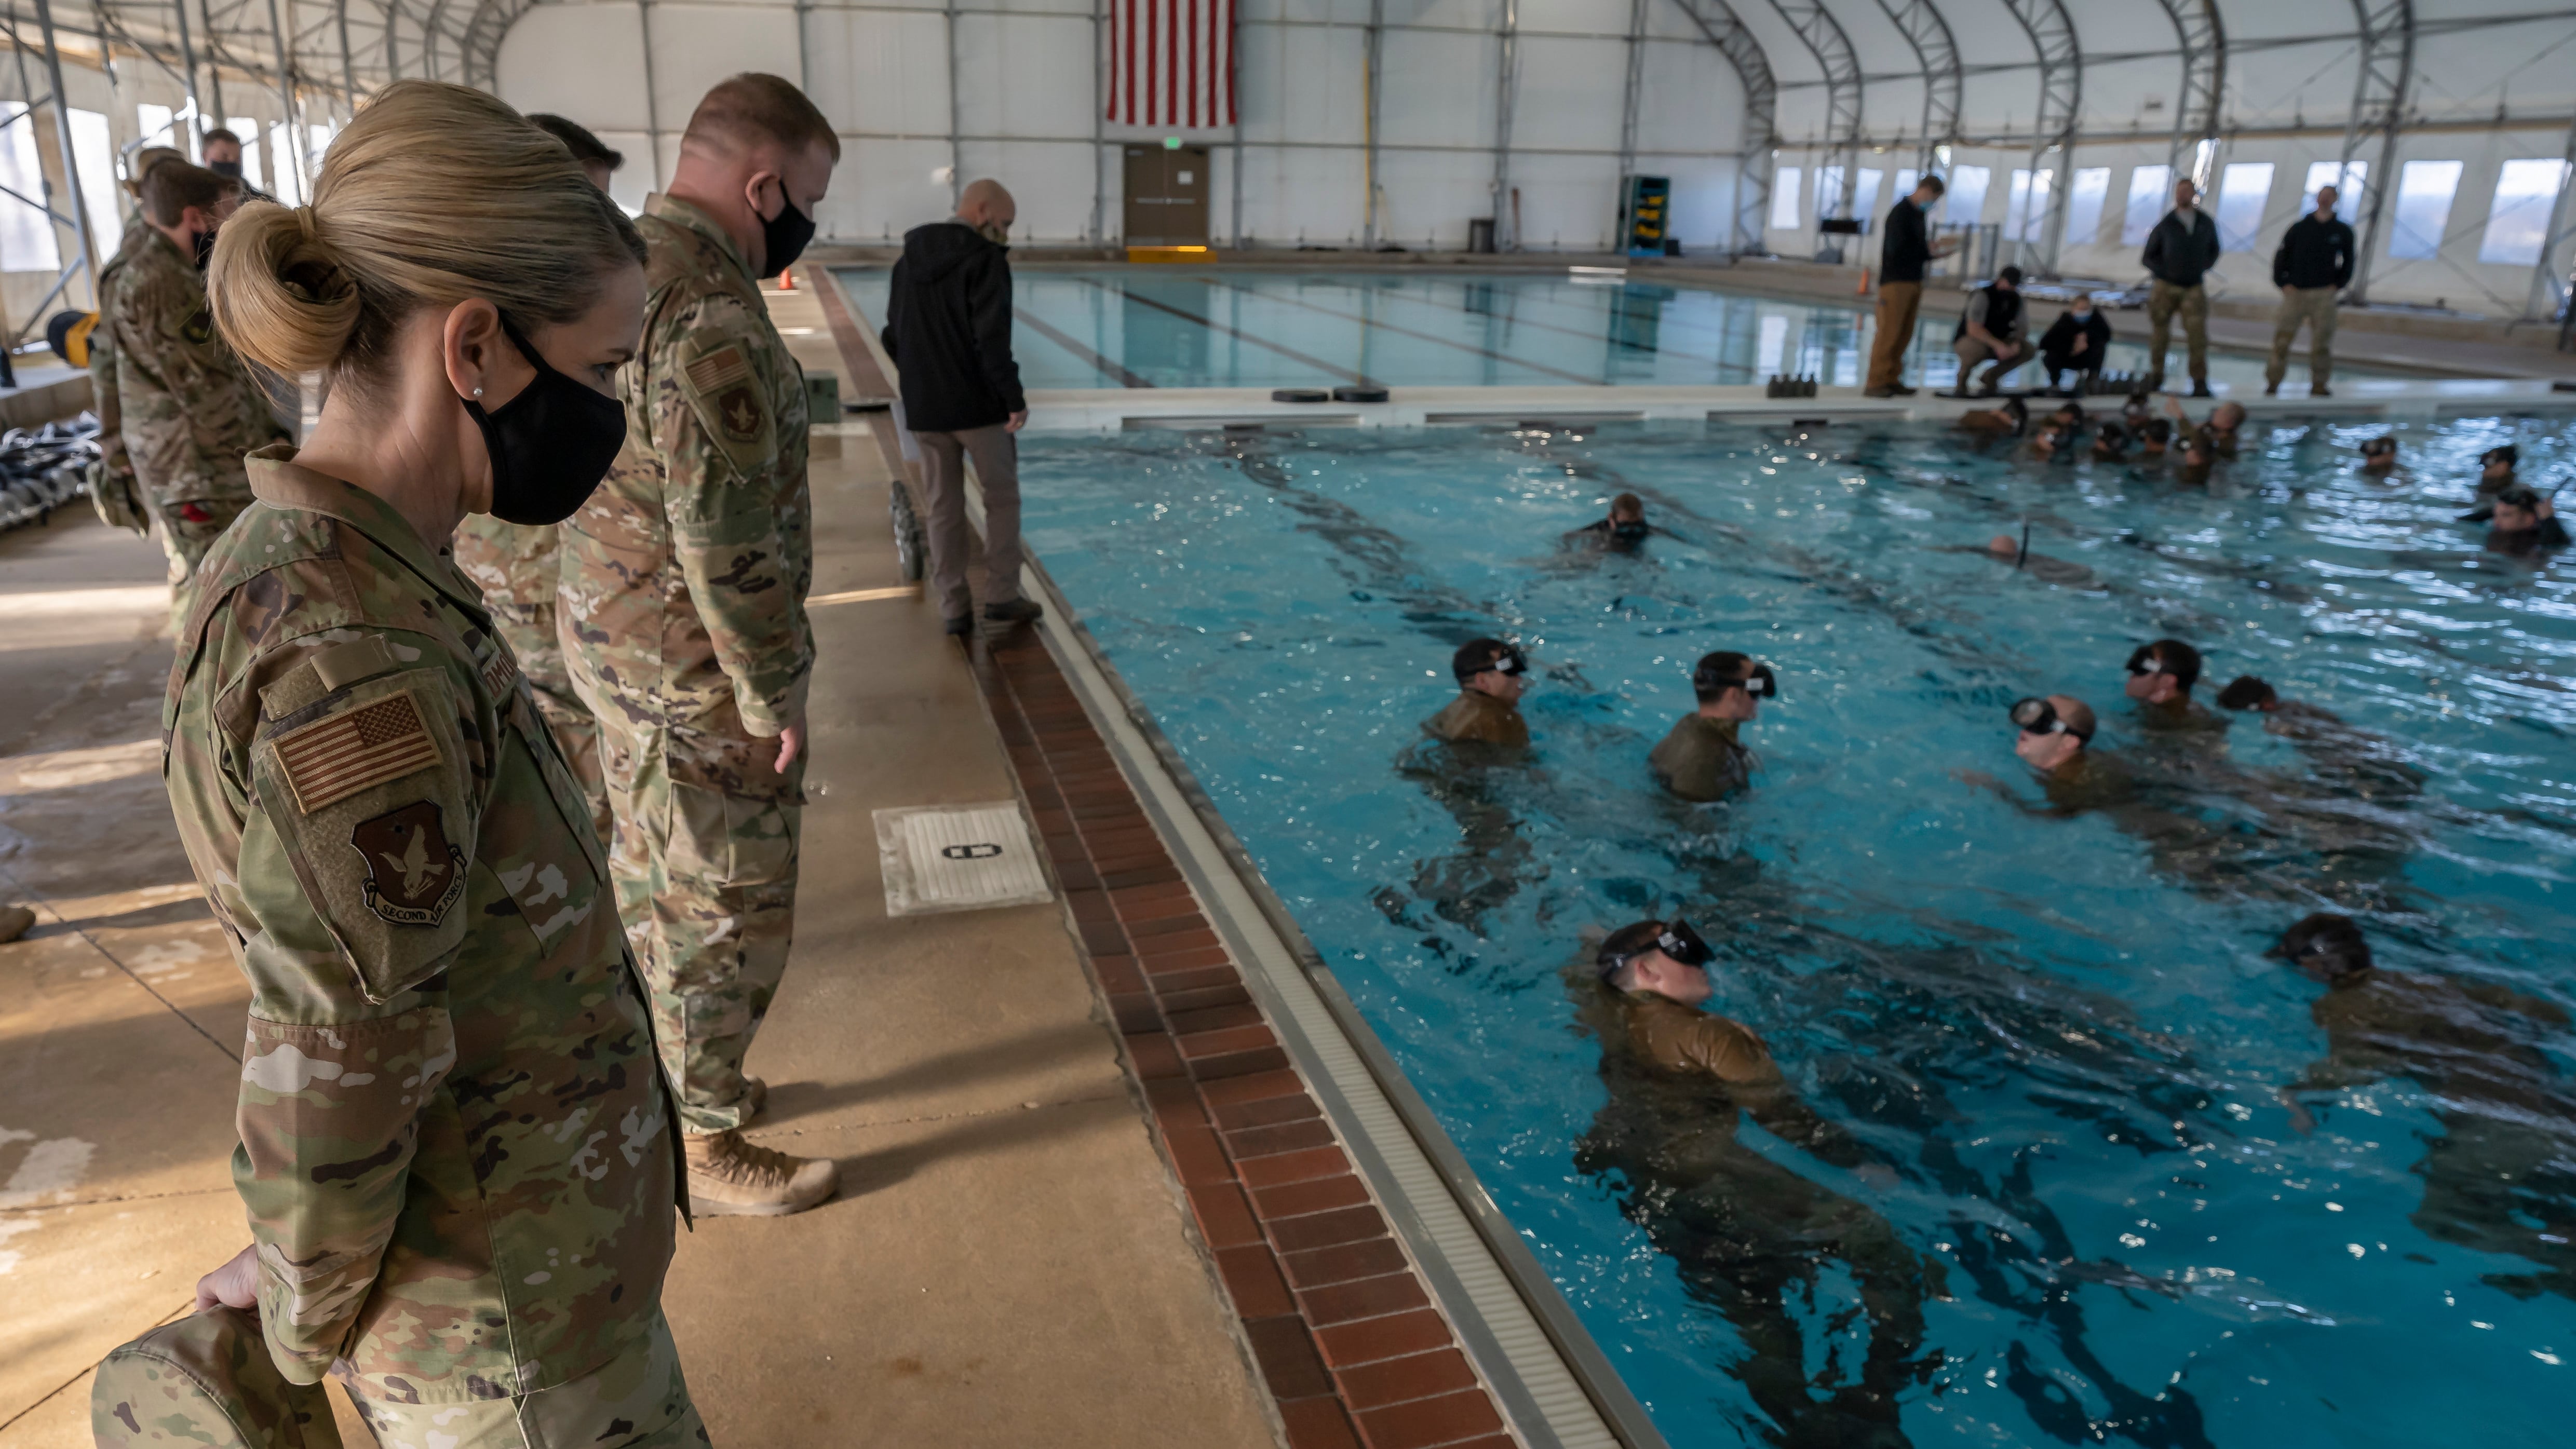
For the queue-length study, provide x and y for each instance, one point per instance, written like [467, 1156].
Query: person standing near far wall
[2180, 251]
[683, 620]
[1902, 255]
[948, 329]
[2313, 264]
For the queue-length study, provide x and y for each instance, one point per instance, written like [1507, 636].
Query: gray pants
[943, 477]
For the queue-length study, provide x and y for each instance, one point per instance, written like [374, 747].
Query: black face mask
[550, 445]
[783, 237]
[225, 168]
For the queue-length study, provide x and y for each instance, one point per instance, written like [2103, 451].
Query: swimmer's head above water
[2378, 455]
[1490, 666]
[1666, 958]
[2163, 672]
[2052, 730]
[2496, 465]
[2325, 947]
[2248, 691]
[1732, 686]
[1628, 517]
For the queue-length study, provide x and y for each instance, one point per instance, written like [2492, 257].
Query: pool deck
[1011, 1260]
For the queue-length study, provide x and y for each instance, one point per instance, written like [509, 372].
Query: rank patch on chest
[332, 759]
[718, 370]
[413, 874]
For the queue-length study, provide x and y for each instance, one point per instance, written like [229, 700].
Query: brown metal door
[1167, 196]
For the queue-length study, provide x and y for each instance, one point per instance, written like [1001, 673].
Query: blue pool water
[1201, 326]
[2060, 1033]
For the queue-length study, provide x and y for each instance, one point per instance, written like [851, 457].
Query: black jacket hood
[932, 252]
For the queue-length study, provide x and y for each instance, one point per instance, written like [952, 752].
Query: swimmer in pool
[2502, 1176]
[2051, 440]
[2161, 675]
[2497, 471]
[1701, 759]
[2110, 444]
[2379, 455]
[2009, 421]
[2524, 524]
[2219, 434]
[2357, 762]
[1748, 1235]
[1625, 528]
[1487, 710]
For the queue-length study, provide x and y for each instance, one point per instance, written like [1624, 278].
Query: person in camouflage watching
[683, 611]
[518, 569]
[456, 1158]
[187, 409]
[116, 471]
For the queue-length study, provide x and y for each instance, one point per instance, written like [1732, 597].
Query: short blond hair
[435, 194]
[743, 110]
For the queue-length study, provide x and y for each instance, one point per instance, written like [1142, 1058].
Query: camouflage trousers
[705, 858]
[208, 1380]
[529, 629]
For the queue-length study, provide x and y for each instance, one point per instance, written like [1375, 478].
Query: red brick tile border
[1338, 1320]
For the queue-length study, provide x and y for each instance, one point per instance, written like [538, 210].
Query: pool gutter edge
[1509, 1315]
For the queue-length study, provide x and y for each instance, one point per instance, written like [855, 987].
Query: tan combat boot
[729, 1177]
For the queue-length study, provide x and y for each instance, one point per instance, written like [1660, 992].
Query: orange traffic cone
[787, 279]
[1863, 289]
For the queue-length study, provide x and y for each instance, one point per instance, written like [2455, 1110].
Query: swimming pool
[2060, 1034]
[1204, 326]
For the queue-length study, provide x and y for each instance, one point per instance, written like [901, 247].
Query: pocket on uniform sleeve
[366, 789]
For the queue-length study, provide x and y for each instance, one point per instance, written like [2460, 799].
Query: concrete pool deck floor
[1009, 1262]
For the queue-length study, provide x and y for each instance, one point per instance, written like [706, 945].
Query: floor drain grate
[958, 858]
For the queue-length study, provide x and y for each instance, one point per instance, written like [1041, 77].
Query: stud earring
[478, 392]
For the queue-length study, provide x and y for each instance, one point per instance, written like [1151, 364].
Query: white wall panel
[695, 46]
[1570, 94]
[879, 73]
[1026, 75]
[1439, 89]
[605, 92]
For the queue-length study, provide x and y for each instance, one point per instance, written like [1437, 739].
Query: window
[26, 237]
[94, 152]
[1829, 191]
[2026, 208]
[2244, 189]
[1784, 198]
[2150, 197]
[1773, 346]
[1906, 181]
[248, 130]
[2347, 188]
[154, 125]
[281, 144]
[2084, 205]
[2424, 191]
[2518, 223]
[1964, 204]
[1865, 195]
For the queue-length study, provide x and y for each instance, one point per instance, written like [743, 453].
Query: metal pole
[956, 154]
[287, 125]
[188, 81]
[804, 52]
[348, 61]
[1635, 91]
[215, 66]
[652, 109]
[63, 139]
[1100, 102]
[1369, 117]
[1506, 90]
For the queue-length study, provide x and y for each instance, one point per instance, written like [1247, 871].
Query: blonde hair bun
[434, 194]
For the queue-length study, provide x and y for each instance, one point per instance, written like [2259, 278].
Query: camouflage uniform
[116, 469]
[454, 1152]
[207, 1380]
[517, 568]
[683, 611]
[1701, 759]
[188, 409]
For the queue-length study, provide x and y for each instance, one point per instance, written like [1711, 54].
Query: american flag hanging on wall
[1171, 62]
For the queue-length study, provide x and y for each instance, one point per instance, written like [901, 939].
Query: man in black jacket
[2075, 342]
[2313, 264]
[2180, 251]
[948, 329]
[1902, 254]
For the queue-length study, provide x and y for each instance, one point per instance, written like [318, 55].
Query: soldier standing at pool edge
[683, 619]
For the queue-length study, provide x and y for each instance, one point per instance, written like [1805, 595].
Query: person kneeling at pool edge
[1701, 759]
[1487, 709]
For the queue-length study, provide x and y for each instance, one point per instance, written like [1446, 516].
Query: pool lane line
[1101, 364]
[1292, 354]
[1409, 332]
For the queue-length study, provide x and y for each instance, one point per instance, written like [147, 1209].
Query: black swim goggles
[1676, 939]
[1761, 683]
[2143, 662]
[1511, 662]
[2376, 446]
[1633, 528]
[2038, 717]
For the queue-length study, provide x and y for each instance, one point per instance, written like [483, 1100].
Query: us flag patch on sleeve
[333, 759]
[712, 373]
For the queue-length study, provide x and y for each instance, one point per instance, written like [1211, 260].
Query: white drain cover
[958, 858]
